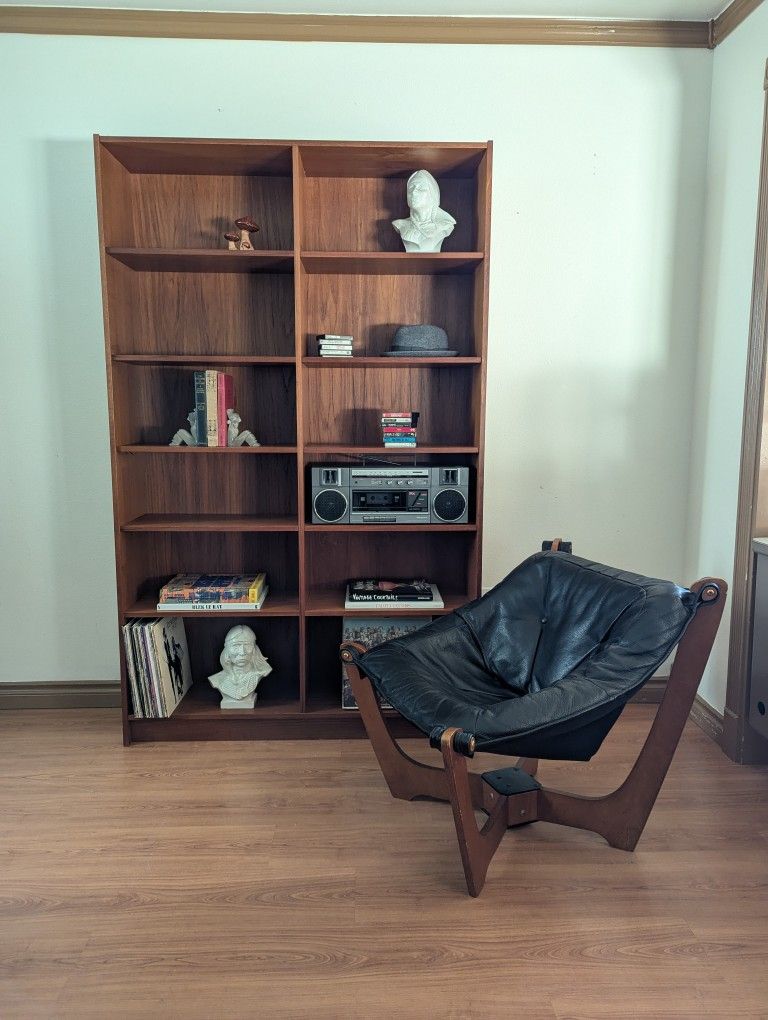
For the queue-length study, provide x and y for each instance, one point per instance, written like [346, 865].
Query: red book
[398, 430]
[225, 400]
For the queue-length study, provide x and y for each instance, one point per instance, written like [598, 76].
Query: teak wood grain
[326, 260]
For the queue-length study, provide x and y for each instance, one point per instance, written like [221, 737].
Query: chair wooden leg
[477, 846]
[405, 777]
[620, 816]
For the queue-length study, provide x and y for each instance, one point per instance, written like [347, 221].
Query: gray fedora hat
[420, 341]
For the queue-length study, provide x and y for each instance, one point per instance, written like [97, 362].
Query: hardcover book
[211, 408]
[200, 405]
[225, 398]
[393, 594]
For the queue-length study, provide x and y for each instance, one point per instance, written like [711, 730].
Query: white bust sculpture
[428, 225]
[243, 666]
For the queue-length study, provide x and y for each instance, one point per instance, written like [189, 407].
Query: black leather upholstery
[543, 664]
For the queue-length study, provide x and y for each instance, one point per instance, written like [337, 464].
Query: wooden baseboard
[653, 691]
[69, 694]
[708, 719]
[107, 695]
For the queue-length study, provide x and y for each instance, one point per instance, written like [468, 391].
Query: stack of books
[214, 592]
[398, 428]
[379, 593]
[157, 663]
[214, 395]
[334, 345]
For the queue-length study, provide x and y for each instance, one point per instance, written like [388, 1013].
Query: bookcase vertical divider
[298, 214]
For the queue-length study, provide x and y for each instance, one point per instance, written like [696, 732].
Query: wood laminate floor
[281, 880]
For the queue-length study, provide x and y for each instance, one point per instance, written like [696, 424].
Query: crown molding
[354, 28]
[731, 18]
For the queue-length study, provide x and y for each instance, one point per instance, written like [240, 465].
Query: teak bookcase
[328, 260]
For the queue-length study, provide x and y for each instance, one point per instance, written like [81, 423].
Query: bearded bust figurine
[428, 225]
[243, 666]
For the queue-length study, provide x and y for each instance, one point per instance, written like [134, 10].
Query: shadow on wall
[597, 448]
[82, 578]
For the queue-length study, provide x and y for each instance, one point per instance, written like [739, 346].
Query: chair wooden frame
[619, 817]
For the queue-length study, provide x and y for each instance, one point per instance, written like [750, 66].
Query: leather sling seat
[540, 666]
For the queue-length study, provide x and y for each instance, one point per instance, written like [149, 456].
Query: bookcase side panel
[299, 214]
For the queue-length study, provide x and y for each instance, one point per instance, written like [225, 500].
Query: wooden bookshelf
[326, 260]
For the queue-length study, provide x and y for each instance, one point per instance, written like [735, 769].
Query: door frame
[740, 742]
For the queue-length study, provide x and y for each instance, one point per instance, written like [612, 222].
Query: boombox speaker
[449, 495]
[330, 495]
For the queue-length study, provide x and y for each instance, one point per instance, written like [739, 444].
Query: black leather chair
[540, 667]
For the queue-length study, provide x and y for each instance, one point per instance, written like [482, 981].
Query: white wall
[729, 247]
[598, 203]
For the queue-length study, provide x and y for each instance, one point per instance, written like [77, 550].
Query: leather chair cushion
[543, 664]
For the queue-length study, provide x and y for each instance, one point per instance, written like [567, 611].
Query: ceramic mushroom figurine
[246, 226]
[231, 238]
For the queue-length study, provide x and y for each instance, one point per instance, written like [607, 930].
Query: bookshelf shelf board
[406, 529]
[206, 360]
[275, 604]
[331, 603]
[336, 449]
[209, 522]
[365, 362]
[204, 156]
[391, 159]
[202, 701]
[233, 451]
[203, 260]
[391, 263]
[326, 709]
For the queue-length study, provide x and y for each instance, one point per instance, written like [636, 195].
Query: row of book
[398, 428]
[214, 396]
[217, 592]
[334, 345]
[157, 661]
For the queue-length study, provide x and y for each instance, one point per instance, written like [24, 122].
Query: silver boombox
[389, 495]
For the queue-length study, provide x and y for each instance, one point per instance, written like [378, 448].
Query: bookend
[511, 797]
